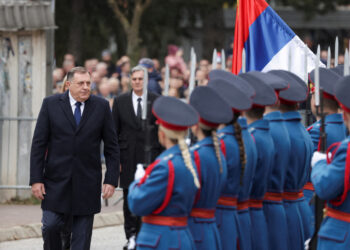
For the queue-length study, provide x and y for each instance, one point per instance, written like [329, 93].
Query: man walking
[127, 110]
[65, 165]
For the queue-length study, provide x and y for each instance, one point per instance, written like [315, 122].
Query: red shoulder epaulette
[197, 160]
[223, 147]
[169, 190]
[148, 172]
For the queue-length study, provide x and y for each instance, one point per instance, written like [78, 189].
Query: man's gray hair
[79, 70]
[137, 68]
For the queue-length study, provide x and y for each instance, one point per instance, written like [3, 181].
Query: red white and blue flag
[268, 41]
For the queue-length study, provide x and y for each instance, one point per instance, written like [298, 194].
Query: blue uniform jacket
[329, 182]
[245, 225]
[266, 152]
[226, 216]
[231, 187]
[298, 212]
[335, 130]
[274, 211]
[204, 231]
[146, 198]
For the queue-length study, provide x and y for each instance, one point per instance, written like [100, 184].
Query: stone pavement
[106, 238]
[23, 221]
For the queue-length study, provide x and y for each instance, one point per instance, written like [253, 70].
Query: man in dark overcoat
[65, 163]
[127, 112]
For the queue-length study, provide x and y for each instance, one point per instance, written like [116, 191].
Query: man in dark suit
[127, 110]
[65, 165]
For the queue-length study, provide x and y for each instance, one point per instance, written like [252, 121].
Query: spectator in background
[107, 58]
[67, 66]
[69, 57]
[101, 69]
[204, 66]
[324, 56]
[123, 67]
[90, 65]
[201, 78]
[153, 76]
[124, 85]
[103, 89]
[113, 86]
[156, 65]
[95, 82]
[174, 59]
[57, 76]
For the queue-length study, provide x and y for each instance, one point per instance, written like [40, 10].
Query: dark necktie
[77, 113]
[139, 108]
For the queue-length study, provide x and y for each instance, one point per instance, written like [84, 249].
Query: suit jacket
[66, 157]
[131, 137]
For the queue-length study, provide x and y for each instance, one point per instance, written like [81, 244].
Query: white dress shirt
[72, 104]
[134, 102]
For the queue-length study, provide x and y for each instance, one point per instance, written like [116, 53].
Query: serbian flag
[268, 41]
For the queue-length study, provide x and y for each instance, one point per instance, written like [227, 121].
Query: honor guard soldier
[210, 163]
[232, 145]
[165, 194]
[297, 210]
[273, 200]
[330, 177]
[334, 125]
[259, 128]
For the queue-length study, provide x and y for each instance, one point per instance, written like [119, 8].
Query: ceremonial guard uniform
[331, 181]
[165, 194]
[334, 124]
[297, 210]
[273, 200]
[211, 165]
[232, 145]
[259, 128]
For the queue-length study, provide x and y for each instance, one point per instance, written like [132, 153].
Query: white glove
[317, 156]
[140, 171]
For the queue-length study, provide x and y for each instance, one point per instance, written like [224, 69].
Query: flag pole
[167, 80]
[244, 61]
[289, 60]
[214, 60]
[336, 52]
[329, 58]
[192, 72]
[223, 60]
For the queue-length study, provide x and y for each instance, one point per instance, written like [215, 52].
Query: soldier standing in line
[165, 193]
[330, 177]
[210, 163]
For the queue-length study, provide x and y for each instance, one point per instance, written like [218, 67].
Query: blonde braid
[187, 158]
[242, 154]
[217, 148]
[180, 137]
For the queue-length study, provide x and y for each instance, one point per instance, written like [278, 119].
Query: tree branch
[122, 18]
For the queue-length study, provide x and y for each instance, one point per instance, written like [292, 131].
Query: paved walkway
[107, 238]
[24, 221]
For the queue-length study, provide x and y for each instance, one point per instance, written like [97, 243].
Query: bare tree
[130, 20]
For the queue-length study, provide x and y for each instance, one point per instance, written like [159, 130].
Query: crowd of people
[110, 79]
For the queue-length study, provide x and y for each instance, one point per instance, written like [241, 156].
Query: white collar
[72, 100]
[134, 96]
